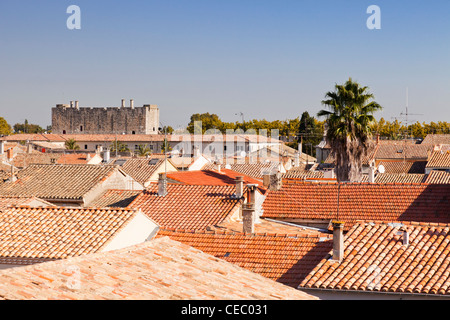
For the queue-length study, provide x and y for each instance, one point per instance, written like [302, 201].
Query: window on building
[81, 128]
[133, 132]
[85, 147]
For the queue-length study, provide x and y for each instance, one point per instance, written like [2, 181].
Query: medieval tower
[71, 119]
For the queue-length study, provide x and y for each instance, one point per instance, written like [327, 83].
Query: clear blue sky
[267, 59]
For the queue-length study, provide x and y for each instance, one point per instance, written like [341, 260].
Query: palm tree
[143, 150]
[348, 127]
[71, 144]
[119, 146]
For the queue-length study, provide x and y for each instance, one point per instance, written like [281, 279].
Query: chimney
[29, 147]
[378, 138]
[2, 147]
[338, 240]
[405, 236]
[106, 156]
[196, 152]
[371, 174]
[266, 180]
[10, 153]
[71, 104]
[297, 159]
[248, 210]
[76, 105]
[239, 187]
[162, 185]
[123, 103]
[132, 104]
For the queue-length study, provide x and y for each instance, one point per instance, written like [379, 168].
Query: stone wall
[116, 120]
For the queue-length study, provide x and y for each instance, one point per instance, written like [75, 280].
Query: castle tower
[73, 119]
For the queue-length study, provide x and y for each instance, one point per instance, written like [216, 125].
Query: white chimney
[106, 156]
[2, 147]
[162, 185]
[297, 159]
[338, 240]
[132, 104]
[239, 187]
[371, 174]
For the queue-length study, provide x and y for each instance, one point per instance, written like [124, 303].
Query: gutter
[365, 292]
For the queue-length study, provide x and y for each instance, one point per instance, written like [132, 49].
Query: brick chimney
[162, 185]
[338, 240]
[239, 187]
[249, 210]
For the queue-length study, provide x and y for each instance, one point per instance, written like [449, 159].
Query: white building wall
[139, 230]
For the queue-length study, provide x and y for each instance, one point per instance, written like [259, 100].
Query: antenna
[406, 114]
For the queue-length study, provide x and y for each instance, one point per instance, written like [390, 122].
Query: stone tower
[71, 119]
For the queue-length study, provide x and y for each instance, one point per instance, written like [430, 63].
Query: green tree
[144, 150]
[27, 128]
[71, 144]
[119, 147]
[209, 121]
[5, 128]
[310, 133]
[348, 120]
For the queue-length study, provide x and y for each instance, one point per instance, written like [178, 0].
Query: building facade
[71, 119]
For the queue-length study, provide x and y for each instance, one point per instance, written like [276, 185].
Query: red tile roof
[417, 167]
[436, 139]
[160, 269]
[283, 258]
[377, 260]
[212, 177]
[385, 202]
[188, 206]
[28, 234]
[439, 159]
[439, 177]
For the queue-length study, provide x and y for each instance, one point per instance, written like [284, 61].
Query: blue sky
[267, 59]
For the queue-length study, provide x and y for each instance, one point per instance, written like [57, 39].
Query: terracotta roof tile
[160, 269]
[435, 139]
[438, 177]
[384, 202]
[439, 159]
[28, 234]
[57, 181]
[212, 177]
[188, 206]
[376, 259]
[417, 167]
[283, 258]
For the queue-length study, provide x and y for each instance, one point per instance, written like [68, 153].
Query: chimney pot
[338, 240]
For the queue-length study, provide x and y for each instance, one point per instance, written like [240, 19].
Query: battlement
[73, 119]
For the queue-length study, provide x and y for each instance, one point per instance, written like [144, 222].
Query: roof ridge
[237, 233]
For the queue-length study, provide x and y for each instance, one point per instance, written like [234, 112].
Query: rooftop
[30, 234]
[57, 181]
[286, 258]
[376, 259]
[372, 201]
[188, 206]
[160, 269]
